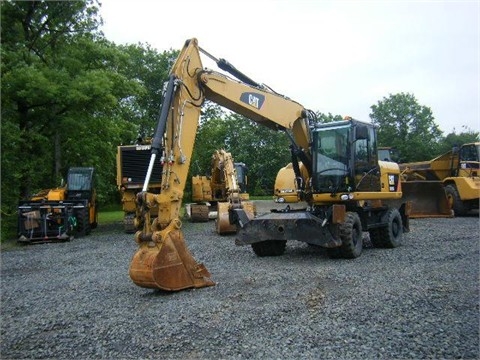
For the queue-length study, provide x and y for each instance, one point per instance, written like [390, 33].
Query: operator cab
[345, 157]
[469, 156]
[80, 183]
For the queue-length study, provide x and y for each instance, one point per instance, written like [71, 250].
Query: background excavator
[453, 178]
[346, 188]
[214, 195]
[286, 188]
[60, 214]
[132, 164]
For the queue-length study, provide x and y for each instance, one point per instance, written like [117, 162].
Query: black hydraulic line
[226, 66]
[160, 131]
[299, 153]
[296, 170]
[162, 120]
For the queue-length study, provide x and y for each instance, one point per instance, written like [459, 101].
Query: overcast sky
[340, 57]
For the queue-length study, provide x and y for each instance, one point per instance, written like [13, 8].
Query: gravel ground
[76, 301]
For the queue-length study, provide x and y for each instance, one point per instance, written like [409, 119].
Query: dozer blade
[168, 265]
[428, 198]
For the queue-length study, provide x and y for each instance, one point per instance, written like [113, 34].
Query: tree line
[70, 96]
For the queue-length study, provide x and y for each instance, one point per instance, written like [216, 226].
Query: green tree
[150, 69]
[327, 118]
[407, 126]
[69, 96]
[58, 87]
[263, 151]
[453, 139]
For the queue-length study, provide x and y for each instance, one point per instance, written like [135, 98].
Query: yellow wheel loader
[62, 213]
[452, 180]
[345, 186]
[216, 194]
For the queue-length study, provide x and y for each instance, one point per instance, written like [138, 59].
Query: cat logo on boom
[253, 99]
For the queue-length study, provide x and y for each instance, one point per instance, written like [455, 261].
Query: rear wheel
[455, 202]
[389, 236]
[269, 248]
[351, 236]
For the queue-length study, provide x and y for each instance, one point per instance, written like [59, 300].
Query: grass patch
[113, 213]
[109, 217]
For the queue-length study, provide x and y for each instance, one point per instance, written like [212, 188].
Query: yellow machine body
[448, 182]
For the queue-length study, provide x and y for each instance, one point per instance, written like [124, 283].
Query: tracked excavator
[132, 163]
[214, 195]
[346, 188]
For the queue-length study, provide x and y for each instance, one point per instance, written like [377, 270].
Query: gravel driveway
[76, 301]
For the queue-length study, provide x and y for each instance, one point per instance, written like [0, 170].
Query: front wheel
[351, 236]
[455, 202]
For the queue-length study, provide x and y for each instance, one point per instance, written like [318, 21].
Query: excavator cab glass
[469, 156]
[344, 156]
[330, 158]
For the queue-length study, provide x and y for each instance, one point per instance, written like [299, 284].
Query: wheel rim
[395, 228]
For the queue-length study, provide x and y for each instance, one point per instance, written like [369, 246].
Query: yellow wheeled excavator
[345, 186]
[216, 194]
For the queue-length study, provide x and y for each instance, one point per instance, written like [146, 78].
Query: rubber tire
[457, 204]
[83, 222]
[269, 248]
[94, 224]
[351, 236]
[391, 235]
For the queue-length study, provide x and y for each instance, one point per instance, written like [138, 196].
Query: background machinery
[60, 214]
[286, 188]
[132, 164]
[214, 195]
[346, 188]
[452, 177]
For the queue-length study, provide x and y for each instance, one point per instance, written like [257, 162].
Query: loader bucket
[428, 199]
[168, 265]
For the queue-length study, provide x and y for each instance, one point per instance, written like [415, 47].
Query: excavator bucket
[223, 222]
[223, 217]
[428, 199]
[168, 265]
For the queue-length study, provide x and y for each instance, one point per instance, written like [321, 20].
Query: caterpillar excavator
[346, 188]
[214, 195]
